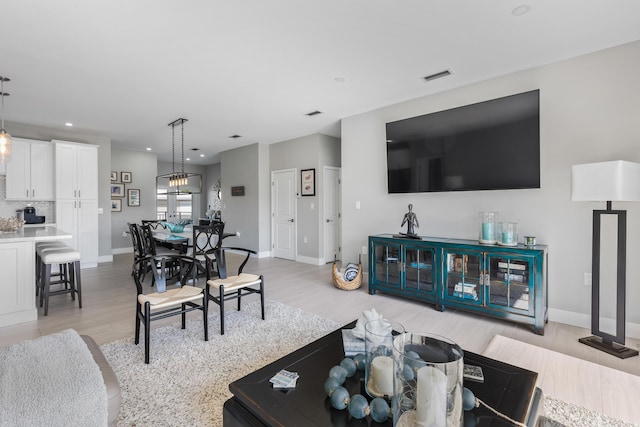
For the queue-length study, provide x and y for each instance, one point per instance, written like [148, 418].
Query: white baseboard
[116, 251]
[309, 260]
[105, 258]
[582, 320]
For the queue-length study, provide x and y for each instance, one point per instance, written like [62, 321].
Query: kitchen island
[17, 264]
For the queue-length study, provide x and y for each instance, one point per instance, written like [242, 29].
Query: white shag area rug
[187, 380]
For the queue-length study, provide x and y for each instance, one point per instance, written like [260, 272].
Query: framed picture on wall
[117, 190]
[116, 205]
[114, 176]
[133, 197]
[126, 177]
[308, 182]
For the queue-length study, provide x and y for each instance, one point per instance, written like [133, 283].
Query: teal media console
[507, 282]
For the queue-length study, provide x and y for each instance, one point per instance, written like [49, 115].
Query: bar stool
[69, 259]
[46, 245]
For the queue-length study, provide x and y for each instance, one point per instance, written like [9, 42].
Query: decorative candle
[382, 375]
[431, 399]
[487, 231]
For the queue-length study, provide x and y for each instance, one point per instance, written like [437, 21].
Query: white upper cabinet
[76, 171]
[30, 171]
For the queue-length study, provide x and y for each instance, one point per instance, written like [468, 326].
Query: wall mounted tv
[491, 145]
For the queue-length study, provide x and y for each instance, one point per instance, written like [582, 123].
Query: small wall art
[133, 197]
[116, 205]
[114, 176]
[126, 177]
[117, 190]
[237, 191]
[308, 182]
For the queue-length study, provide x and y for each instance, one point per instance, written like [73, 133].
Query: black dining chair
[139, 251]
[205, 241]
[236, 286]
[173, 296]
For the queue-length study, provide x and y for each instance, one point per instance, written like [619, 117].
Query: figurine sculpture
[412, 221]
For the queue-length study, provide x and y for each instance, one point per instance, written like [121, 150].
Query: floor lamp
[607, 181]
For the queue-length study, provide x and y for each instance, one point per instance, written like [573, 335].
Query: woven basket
[345, 285]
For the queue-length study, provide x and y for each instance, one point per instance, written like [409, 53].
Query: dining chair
[226, 287]
[172, 296]
[206, 240]
[139, 251]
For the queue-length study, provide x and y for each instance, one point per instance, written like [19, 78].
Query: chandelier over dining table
[179, 182]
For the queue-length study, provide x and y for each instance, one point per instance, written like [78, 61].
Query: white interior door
[283, 200]
[331, 214]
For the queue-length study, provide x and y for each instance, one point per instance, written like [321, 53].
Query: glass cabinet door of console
[387, 263]
[419, 264]
[509, 283]
[464, 277]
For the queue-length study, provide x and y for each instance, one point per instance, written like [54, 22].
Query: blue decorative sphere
[407, 373]
[359, 360]
[349, 365]
[339, 372]
[468, 399]
[412, 355]
[331, 384]
[340, 398]
[358, 406]
[379, 409]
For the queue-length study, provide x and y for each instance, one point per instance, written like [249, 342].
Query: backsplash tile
[8, 208]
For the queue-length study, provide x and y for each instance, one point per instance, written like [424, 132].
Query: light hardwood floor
[109, 302]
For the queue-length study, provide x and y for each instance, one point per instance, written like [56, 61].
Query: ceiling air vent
[441, 74]
[314, 113]
[236, 136]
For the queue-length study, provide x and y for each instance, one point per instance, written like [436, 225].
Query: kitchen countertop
[35, 234]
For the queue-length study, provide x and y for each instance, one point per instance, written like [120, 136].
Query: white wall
[589, 110]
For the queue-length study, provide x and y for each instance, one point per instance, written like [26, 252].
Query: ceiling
[126, 69]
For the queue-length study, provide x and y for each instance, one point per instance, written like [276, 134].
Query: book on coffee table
[352, 344]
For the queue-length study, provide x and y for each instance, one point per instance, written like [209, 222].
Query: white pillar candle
[431, 397]
[382, 375]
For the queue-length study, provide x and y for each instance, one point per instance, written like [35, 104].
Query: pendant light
[179, 182]
[5, 138]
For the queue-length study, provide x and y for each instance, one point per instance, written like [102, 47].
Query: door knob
[291, 220]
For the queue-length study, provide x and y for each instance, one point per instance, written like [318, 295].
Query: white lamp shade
[617, 180]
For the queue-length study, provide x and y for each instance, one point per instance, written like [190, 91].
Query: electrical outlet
[305, 239]
[587, 279]
[364, 250]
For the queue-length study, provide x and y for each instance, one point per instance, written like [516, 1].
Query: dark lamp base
[614, 349]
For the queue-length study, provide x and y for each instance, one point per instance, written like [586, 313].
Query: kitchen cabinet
[29, 172]
[77, 197]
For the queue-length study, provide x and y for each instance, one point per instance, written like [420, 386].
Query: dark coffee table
[507, 388]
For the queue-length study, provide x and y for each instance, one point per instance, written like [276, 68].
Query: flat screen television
[491, 145]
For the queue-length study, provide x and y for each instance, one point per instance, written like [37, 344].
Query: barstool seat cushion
[60, 256]
[44, 249]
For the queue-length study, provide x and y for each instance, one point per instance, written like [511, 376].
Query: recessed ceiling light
[201, 155]
[187, 159]
[340, 80]
[68, 124]
[523, 9]
[148, 148]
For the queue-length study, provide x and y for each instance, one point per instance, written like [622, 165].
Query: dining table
[183, 241]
